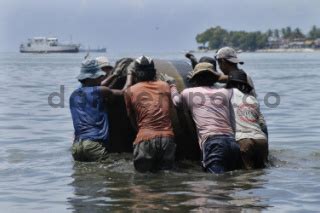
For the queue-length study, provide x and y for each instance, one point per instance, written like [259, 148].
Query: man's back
[150, 103]
[248, 116]
[90, 120]
[210, 109]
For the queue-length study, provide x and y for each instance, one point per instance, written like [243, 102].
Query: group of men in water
[231, 129]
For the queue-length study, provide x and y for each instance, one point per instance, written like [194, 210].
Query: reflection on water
[114, 185]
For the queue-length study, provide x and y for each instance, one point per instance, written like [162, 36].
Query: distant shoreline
[279, 50]
[289, 50]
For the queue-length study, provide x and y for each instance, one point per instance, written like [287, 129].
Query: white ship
[47, 45]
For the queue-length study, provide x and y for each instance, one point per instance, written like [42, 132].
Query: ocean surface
[38, 174]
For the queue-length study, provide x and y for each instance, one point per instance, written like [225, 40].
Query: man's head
[104, 65]
[144, 69]
[209, 60]
[238, 79]
[204, 75]
[91, 73]
[227, 59]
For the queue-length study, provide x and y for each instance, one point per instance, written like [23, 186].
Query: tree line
[217, 37]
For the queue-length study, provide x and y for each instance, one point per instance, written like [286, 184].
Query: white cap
[229, 54]
[103, 62]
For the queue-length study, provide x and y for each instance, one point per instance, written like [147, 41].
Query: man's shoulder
[248, 76]
[158, 84]
[77, 91]
[190, 90]
[85, 90]
[136, 86]
[250, 99]
[237, 93]
[212, 89]
[161, 84]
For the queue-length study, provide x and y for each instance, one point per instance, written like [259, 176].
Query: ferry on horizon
[47, 45]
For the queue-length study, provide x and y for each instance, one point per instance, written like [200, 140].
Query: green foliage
[213, 36]
[217, 37]
[288, 33]
[297, 34]
[276, 33]
[314, 33]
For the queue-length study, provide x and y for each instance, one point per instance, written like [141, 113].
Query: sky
[145, 25]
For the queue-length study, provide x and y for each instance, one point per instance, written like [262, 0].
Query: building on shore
[301, 43]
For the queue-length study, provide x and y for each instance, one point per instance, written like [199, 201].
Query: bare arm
[192, 58]
[106, 82]
[107, 92]
[128, 82]
[223, 78]
[112, 83]
[175, 96]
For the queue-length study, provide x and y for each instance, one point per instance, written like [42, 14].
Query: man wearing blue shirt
[90, 118]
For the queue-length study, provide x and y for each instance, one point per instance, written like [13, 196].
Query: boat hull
[47, 45]
[66, 49]
[50, 51]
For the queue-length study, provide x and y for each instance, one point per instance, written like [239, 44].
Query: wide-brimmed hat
[90, 69]
[204, 67]
[229, 54]
[103, 62]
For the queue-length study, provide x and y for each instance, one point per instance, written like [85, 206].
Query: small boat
[47, 45]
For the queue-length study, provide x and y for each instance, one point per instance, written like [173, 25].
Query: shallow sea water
[38, 173]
